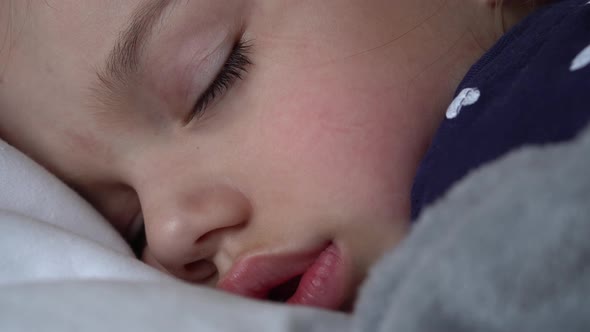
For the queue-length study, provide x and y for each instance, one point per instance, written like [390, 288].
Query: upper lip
[256, 276]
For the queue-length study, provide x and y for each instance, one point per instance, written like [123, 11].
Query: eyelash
[233, 70]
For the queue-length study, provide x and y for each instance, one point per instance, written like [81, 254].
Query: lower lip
[323, 284]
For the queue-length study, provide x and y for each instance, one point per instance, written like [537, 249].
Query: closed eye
[234, 69]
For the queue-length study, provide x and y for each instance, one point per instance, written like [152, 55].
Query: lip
[322, 272]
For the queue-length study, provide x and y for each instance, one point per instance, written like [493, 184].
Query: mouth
[284, 292]
[316, 278]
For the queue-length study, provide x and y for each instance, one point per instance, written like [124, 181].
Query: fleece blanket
[507, 249]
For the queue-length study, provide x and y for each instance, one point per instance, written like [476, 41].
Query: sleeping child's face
[262, 141]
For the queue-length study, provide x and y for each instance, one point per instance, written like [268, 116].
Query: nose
[185, 230]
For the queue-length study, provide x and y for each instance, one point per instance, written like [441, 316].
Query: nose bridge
[186, 221]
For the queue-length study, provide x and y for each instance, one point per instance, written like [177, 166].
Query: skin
[319, 141]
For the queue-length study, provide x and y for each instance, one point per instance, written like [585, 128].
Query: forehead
[66, 37]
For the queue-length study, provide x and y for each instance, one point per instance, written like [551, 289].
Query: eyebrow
[124, 60]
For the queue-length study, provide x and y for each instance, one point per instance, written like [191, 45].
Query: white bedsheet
[64, 268]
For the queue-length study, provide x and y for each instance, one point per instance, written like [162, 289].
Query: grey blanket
[508, 249]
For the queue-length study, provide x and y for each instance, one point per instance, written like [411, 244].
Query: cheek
[338, 138]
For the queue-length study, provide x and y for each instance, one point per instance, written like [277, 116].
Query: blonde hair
[502, 4]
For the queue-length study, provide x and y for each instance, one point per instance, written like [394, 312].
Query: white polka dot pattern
[582, 60]
[467, 97]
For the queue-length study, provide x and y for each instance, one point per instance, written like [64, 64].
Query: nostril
[200, 271]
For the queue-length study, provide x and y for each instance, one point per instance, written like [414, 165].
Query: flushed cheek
[340, 138]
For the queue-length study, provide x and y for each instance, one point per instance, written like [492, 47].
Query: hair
[500, 7]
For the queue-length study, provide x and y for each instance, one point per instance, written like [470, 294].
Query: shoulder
[531, 88]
